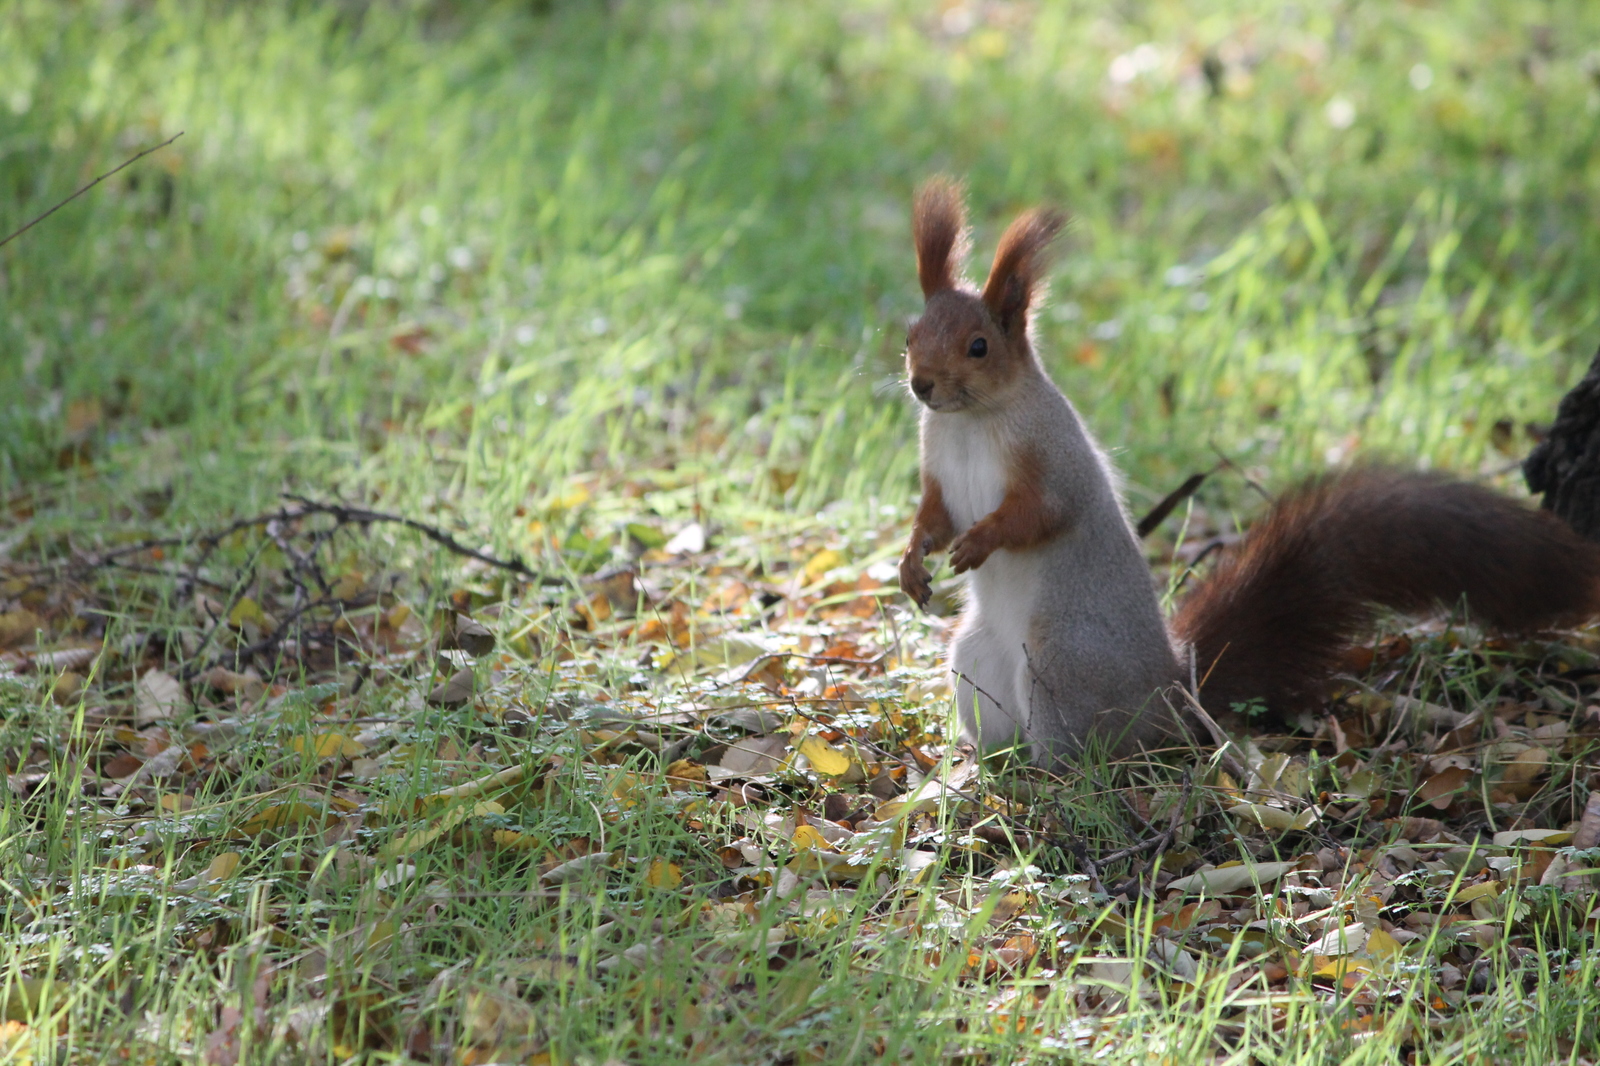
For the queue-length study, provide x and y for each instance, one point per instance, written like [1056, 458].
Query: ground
[447, 602]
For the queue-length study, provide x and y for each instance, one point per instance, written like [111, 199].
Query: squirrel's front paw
[970, 550]
[915, 581]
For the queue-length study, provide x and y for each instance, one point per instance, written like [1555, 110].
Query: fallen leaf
[664, 875]
[576, 869]
[1550, 837]
[278, 816]
[1382, 944]
[824, 757]
[158, 697]
[809, 837]
[1226, 880]
[690, 540]
[328, 746]
[1343, 941]
[18, 627]
[1588, 831]
[223, 866]
[753, 756]
[455, 692]
[473, 637]
[1526, 765]
[819, 565]
[1481, 890]
[1438, 790]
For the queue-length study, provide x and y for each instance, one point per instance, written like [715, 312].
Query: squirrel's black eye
[978, 348]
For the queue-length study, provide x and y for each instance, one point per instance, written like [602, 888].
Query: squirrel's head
[970, 348]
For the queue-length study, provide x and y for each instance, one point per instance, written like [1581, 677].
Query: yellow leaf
[176, 802]
[381, 933]
[451, 819]
[1381, 944]
[349, 585]
[328, 746]
[819, 564]
[574, 496]
[14, 1042]
[833, 866]
[476, 787]
[687, 770]
[22, 998]
[806, 837]
[516, 841]
[278, 816]
[825, 758]
[223, 866]
[247, 610]
[667, 875]
[1337, 966]
[1484, 889]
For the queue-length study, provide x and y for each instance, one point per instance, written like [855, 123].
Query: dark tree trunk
[1565, 466]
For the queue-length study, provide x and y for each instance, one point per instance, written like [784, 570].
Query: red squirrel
[1062, 638]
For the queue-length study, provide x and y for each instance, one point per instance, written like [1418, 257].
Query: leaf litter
[732, 746]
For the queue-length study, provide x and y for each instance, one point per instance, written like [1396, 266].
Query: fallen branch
[362, 515]
[86, 188]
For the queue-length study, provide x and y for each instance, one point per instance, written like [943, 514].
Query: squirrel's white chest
[968, 459]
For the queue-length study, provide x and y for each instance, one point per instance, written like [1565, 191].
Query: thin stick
[361, 515]
[89, 186]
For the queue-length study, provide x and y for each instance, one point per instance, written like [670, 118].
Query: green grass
[463, 260]
[680, 234]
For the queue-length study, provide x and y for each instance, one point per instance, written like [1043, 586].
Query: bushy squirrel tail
[1274, 619]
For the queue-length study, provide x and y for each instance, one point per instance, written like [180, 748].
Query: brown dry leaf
[82, 418]
[1588, 831]
[226, 681]
[754, 756]
[576, 869]
[18, 627]
[1438, 790]
[454, 692]
[121, 765]
[1526, 765]
[158, 697]
[472, 637]
[223, 1042]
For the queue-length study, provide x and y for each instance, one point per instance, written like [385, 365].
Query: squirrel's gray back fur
[1065, 639]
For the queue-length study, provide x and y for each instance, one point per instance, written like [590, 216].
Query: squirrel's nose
[923, 387]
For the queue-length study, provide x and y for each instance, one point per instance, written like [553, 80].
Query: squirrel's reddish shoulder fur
[1062, 638]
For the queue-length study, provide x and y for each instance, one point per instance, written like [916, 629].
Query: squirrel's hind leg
[984, 671]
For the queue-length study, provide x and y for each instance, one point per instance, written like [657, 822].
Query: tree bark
[1565, 466]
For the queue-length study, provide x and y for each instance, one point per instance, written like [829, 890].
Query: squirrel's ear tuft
[939, 229]
[1019, 266]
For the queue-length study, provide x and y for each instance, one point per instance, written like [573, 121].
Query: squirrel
[1062, 638]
